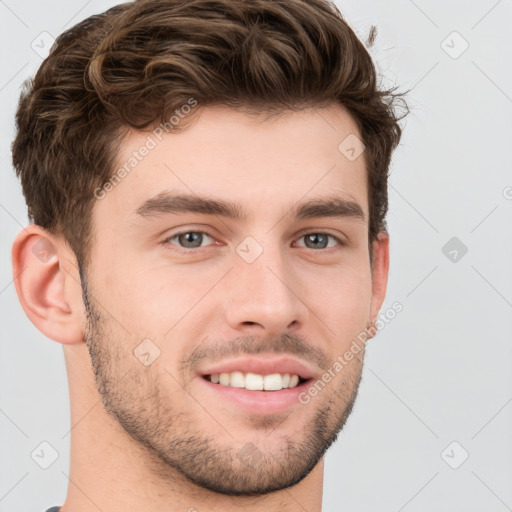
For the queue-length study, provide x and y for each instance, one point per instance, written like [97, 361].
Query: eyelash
[167, 242]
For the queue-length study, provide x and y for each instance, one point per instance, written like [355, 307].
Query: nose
[264, 296]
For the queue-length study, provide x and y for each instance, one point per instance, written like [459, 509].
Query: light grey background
[440, 370]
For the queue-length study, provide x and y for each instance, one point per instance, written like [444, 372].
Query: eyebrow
[175, 203]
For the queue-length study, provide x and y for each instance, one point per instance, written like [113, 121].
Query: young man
[207, 182]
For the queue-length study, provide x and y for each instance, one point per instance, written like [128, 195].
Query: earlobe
[380, 270]
[48, 292]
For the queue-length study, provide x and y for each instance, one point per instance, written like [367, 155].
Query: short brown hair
[135, 64]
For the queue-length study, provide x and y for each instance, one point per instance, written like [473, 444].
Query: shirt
[54, 509]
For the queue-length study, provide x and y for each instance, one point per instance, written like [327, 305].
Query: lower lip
[257, 402]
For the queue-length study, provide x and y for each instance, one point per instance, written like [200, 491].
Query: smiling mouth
[255, 381]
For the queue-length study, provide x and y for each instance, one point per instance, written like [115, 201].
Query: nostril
[250, 323]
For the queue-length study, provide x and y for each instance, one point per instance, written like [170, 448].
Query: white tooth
[294, 380]
[237, 380]
[253, 382]
[286, 380]
[214, 378]
[272, 382]
[224, 379]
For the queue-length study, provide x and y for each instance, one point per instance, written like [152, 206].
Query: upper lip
[262, 366]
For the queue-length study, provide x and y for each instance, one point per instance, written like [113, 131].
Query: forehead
[262, 164]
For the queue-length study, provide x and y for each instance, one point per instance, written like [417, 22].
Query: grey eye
[189, 239]
[319, 240]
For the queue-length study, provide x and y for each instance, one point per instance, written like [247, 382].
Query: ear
[380, 270]
[48, 284]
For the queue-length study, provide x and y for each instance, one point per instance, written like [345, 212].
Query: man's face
[176, 295]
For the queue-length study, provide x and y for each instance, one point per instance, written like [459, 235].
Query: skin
[151, 437]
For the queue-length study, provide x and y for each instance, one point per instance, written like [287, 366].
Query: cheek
[343, 300]
[162, 304]
[131, 284]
